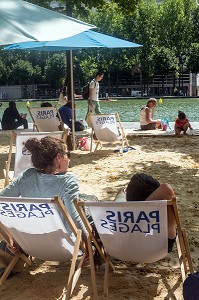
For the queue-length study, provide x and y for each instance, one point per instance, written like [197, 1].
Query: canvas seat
[39, 227]
[136, 231]
[45, 119]
[107, 128]
[22, 157]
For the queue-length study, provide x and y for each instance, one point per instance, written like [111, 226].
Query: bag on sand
[85, 144]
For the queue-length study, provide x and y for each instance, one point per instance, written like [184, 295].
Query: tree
[55, 69]
[176, 28]
[193, 60]
[4, 73]
[22, 73]
[84, 5]
[196, 25]
[165, 61]
[144, 25]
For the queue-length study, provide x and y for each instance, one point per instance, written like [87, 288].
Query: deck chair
[22, 156]
[45, 119]
[107, 128]
[42, 228]
[136, 231]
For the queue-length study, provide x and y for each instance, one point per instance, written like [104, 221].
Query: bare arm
[91, 90]
[152, 112]
[148, 116]
[190, 126]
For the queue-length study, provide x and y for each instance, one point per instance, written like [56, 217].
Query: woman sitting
[48, 177]
[147, 114]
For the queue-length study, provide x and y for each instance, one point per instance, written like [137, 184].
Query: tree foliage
[169, 33]
[55, 69]
[22, 72]
[193, 59]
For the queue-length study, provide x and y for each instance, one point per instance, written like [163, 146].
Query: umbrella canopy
[21, 21]
[86, 39]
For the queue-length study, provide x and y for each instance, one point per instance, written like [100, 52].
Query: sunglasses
[67, 153]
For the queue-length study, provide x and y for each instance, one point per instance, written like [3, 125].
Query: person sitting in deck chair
[143, 187]
[48, 177]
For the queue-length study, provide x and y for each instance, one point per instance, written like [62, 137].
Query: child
[182, 123]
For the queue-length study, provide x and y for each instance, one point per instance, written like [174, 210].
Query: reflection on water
[128, 109]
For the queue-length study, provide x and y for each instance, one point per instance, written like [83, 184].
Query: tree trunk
[109, 83]
[174, 83]
[163, 85]
[117, 83]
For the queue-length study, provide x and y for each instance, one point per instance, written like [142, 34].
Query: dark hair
[12, 104]
[140, 187]
[99, 73]
[181, 115]
[46, 104]
[44, 151]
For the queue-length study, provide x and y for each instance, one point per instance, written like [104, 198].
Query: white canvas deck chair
[136, 231]
[107, 128]
[45, 118]
[42, 228]
[22, 156]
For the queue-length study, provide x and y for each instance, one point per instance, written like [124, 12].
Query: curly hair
[44, 151]
[140, 187]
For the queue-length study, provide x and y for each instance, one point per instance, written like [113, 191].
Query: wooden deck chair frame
[13, 138]
[8, 261]
[124, 141]
[75, 271]
[35, 125]
[183, 250]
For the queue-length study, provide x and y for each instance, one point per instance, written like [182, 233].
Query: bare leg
[165, 192]
[185, 127]
[177, 131]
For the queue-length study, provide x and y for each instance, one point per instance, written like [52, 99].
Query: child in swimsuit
[182, 124]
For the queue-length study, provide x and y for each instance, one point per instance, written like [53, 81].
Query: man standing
[93, 101]
[11, 118]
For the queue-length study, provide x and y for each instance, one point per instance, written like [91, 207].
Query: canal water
[128, 109]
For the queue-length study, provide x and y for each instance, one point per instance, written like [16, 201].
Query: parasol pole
[72, 98]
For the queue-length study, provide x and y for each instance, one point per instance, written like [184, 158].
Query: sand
[168, 159]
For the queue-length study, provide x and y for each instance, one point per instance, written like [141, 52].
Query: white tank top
[143, 117]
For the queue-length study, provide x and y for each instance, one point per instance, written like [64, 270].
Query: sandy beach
[168, 159]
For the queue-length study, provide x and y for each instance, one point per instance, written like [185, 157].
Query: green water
[128, 109]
